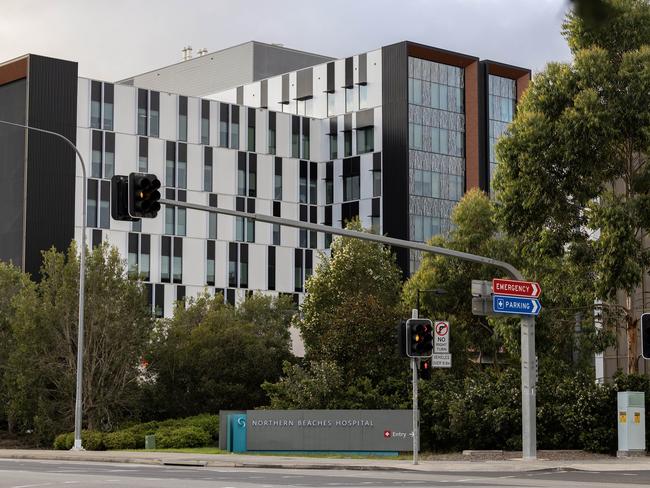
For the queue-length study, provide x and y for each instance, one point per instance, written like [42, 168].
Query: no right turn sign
[441, 343]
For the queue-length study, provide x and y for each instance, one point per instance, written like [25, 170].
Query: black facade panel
[240, 95]
[285, 88]
[13, 108]
[330, 78]
[305, 84]
[395, 146]
[50, 162]
[349, 72]
[363, 68]
[264, 94]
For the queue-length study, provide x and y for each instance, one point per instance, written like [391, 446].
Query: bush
[182, 437]
[206, 422]
[122, 439]
[64, 442]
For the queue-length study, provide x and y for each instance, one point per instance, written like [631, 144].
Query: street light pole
[82, 275]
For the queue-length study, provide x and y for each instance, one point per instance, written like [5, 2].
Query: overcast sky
[114, 39]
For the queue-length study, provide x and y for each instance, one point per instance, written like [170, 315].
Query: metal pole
[82, 266]
[528, 407]
[416, 423]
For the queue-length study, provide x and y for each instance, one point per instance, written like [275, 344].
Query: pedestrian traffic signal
[143, 195]
[120, 198]
[645, 335]
[425, 369]
[419, 338]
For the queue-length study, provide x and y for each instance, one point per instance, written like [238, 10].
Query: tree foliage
[41, 370]
[212, 356]
[573, 179]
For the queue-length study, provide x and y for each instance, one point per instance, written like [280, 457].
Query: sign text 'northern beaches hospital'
[312, 423]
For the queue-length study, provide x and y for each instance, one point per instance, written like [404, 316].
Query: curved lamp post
[82, 266]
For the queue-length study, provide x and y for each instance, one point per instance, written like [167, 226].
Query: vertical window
[295, 137]
[309, 263]
[93, 194]
[350, 99]
[109, 154]
[252, 175]
[334, 143]
[347, 143]
[241, 174]
[212, 217]
[205, 122]
[365, 140]
[165, 259]
[182, 165]
[170, 217]
[305, 138]
[329, 182]
[181, 221]
[143, 112]
[108, 106]
[133, 255]
[303, 181]
[232, 264]
[331, 103]
[243, 265]
[251, 130]
[145, 256]
[363, 96]
[376, 183]
[313, 183]
[159, 304]
[270, 271]
[298, 270]
[178, 260]
[95, 104]
[277, 179]
[272, 132]
[207, 169]
[276, 227]
[97, 151]
[170, 164]
[224, 110]
[351, 179]
[105, 205]
[182, 118]
[210, 263]
[154, 120]
[234, 135]
[143, 155]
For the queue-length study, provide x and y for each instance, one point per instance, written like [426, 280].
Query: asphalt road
[55, 474]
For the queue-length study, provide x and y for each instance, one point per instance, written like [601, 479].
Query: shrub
[182, 437]
[206, 422]
[122, 439]
[64, 442]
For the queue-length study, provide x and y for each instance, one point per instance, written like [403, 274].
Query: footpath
[547, 461]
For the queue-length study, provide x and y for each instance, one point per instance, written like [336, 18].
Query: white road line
[30, 486]
[629, 474]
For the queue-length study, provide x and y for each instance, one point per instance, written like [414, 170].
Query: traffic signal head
[120, 198]
[419, 338]
[645, 335]
[143, 195]
[425, 369]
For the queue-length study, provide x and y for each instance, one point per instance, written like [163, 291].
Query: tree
[573, 179]
[348, 325]
[12, 282]
[41, 371]
[211, 356]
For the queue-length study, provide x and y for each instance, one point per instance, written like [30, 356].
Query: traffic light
[645, 335]
[419, 338]
[143, 195]
[120, 198]
[425, 369]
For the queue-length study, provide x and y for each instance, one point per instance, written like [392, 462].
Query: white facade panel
[125, 109]
[168, 116]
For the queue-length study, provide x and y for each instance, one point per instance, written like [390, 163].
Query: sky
[115, 39]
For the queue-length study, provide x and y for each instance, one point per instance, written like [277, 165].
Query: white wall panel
[168, 116]
[257, 267]
[221, 264]
[83, 102]
[193, 120]
[195, 167]
[126, 154]
[194, 261]
[284, 269]
[125, 109]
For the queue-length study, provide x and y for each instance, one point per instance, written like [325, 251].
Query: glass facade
[502, 94]
[436, 147]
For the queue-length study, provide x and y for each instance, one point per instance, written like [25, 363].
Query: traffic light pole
[528, 395]
[78, 411]
[416, 420]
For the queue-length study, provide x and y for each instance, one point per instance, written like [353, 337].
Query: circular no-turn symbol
[442, 328]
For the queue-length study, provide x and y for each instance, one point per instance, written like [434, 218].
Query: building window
[351, 179]
[347, 143]
[175, 221]
[182, 165]
[270, 269]
[277, 179]
[170, 164]
[154, 116]
[93, 203]
[101, 105]
[363, 96]
[233, 259]
[298, 270]
[171, 263]
[252, 175]
[350, 99]
[178, 260]
[275, 230]
[139, 246]
[243, 265]
[305, 138]
[182, 118]
[334, 143]
[365, 140]
[109, 154]
[425, 226]
[245, 227]
[313, 183]
[205, 122]
[210, 263]
[295, 137]
[234, 127]
[97, 151]
[376, 175]
[251, 130]
[143, 155]
[272, 133]
[224, 111]
[98, 204]
[329, 182]
[331, 103]
[207, 169]
[108, 106]
[143, 111]
[302, 182]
